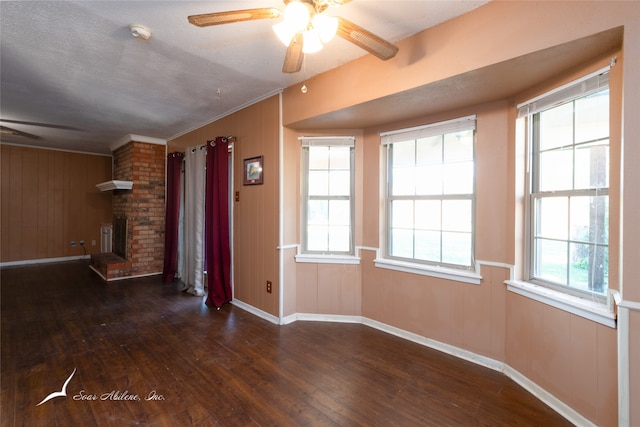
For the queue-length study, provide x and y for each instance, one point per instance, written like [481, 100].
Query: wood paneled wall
[48, 199]
[256, 213]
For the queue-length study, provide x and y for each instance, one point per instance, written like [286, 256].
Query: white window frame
[466, 273]
[304, 254]
[587, 85]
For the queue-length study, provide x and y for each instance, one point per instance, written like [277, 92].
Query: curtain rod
[224, 139]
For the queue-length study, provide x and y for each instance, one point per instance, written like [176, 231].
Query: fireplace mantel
[138, 211]
[115, 185]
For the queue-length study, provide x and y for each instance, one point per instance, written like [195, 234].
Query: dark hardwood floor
[141, 339]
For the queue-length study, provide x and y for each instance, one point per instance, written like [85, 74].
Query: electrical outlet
[73, 243]
[93, 243]
[268, 286]
[81, 242]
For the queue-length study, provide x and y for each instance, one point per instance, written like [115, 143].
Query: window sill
[428, 270]
[327, 259]
[582, 307]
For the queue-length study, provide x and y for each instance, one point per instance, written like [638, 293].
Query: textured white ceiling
[73, 77]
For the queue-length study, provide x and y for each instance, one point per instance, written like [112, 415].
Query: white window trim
[465, 276]
[312, 257]
[572, 90]
[327, 259]
[427, 269]
[583, 307]
[592, 309]
[565, 93]
[433, 129]
[324, 141]
[598, 312]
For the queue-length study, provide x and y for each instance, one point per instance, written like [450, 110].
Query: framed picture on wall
[253, 170]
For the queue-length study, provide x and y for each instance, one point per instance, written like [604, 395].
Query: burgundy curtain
[217, 250]
[172, 215]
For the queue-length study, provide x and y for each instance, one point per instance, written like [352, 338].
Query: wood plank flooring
[185, 364]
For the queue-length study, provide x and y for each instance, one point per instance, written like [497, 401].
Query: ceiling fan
[304, 29]
[9, 132]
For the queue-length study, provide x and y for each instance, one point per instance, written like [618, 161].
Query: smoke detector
[140, 31]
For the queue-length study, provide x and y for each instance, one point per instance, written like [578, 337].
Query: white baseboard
[256, 311]
[43, 260]
[550, 400]
[310, 317]
[541, 394]
[544, 396]
[487, 362]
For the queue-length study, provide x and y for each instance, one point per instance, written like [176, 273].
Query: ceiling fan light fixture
[284, 32]
[311, 41]
[304, 29]
[298, 15]
[326, 26]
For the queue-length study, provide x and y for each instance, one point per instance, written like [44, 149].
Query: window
[430, 200]
[328, 186]
[568, 187]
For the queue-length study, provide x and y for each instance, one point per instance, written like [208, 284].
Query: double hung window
[328, 187]
[568, 186]
[430, 197]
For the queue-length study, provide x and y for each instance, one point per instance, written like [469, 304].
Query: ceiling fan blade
[46, 125]
[12, 132]
[218, 18]
[294, 56]
[366, 40]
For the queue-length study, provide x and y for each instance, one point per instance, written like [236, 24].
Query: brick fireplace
[143, 211]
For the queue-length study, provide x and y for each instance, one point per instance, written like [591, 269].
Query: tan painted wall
[318, 288]
[255, 216]
[496, 32]
[569, 356]
[460, 314]
[572, 358]
[49, 198]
